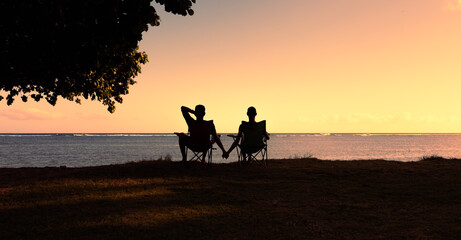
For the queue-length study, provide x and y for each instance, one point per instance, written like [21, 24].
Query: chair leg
[210, 156]
[203, 157]
[253, 157]
[264, 154]
[197, 156]
[185, 155]
[239, 156]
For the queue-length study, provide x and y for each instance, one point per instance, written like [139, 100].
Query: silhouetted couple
[202, 134]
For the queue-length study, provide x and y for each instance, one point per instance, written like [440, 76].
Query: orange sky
[307, 66]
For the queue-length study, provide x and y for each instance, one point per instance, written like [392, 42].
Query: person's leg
[243, 152]
[244, 155]
[182, 145]
[204, 156]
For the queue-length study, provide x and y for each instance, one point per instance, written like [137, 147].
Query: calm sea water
[76, 150]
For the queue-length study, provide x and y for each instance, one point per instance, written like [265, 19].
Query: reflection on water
[39, 150]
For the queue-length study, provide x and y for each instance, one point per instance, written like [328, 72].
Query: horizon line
[325, 133]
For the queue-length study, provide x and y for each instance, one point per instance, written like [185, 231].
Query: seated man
[252, 134]
[200, 132]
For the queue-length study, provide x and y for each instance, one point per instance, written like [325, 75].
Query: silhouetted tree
[75, 48]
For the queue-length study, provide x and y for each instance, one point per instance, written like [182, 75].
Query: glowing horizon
[334, 66]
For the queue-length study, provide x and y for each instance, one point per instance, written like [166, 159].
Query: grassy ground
[292, 199]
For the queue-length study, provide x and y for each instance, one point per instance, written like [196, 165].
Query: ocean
[79, 150]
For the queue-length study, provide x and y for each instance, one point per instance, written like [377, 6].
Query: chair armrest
[265, 140]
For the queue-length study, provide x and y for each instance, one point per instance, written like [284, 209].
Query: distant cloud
[29, 114]
[86, 116]
[454, 5]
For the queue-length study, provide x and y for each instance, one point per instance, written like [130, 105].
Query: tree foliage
[75, 49]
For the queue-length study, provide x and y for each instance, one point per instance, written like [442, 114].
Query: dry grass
[292, 199]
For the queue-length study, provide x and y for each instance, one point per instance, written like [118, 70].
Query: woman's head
[251, 112]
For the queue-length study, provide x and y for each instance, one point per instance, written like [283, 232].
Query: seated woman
[251, 133]
[200, 132]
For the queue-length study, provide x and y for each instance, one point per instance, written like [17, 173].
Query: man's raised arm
[186, 113]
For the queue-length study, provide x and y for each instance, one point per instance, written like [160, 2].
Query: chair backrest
[200, 132]
[253, 134]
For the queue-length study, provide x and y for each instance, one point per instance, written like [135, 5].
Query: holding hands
[225, 154]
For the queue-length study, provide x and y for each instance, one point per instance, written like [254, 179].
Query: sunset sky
[379, 66]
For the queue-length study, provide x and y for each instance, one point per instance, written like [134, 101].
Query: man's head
[200, 111]
[251, 112]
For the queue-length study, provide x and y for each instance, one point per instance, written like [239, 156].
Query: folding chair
[201, 156]
[204, 155]
[253, 144]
